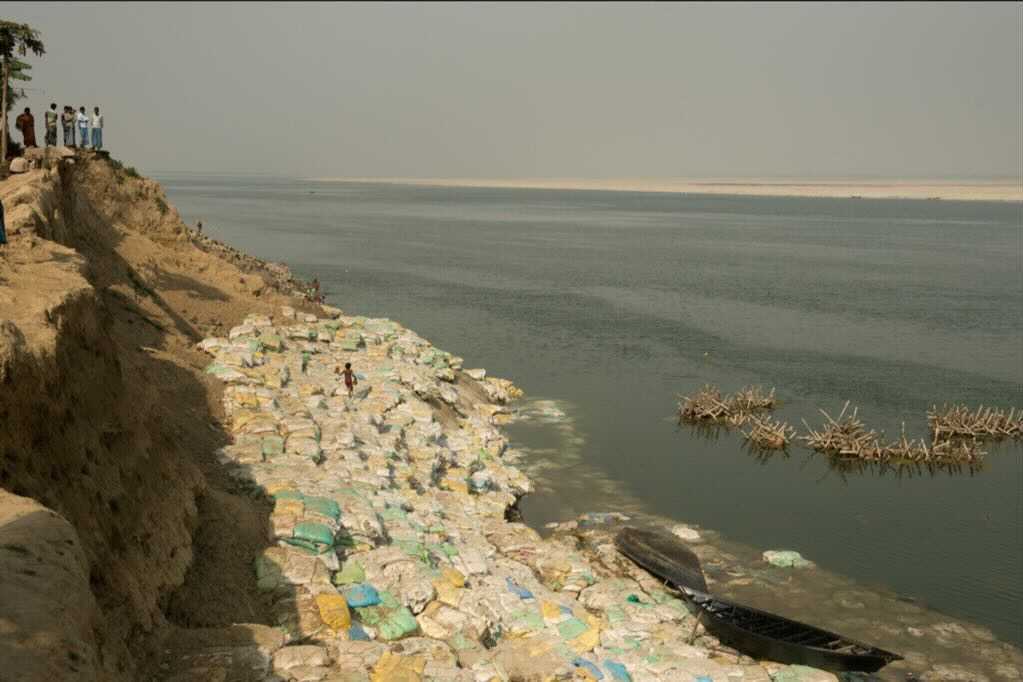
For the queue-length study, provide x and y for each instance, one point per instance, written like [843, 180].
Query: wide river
[610, 304]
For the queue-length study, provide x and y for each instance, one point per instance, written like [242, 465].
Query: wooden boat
[756, 633]
[765, 635]
[663, 555]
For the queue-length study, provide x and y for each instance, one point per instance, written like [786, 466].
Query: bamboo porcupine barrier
[847, 436]
[752, 398]
[769, 434]
[708, 404]
[957, 431]
[984, 423]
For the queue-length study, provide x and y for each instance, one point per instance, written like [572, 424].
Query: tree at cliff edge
[14, 39]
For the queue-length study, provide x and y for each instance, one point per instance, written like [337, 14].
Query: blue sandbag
[522, 592]
[357, 634]
[361, 595]
[589, 667]
[618, 671]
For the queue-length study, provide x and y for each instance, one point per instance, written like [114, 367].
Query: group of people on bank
[72, 122]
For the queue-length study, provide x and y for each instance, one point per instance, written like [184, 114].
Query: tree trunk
[3, 114]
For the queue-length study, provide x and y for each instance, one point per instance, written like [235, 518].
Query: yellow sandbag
[447, 593]
[453, 576]
[586, 641]
[277, 486]
[396, 668]
[551, 611]
[289, 507]
[334, 611]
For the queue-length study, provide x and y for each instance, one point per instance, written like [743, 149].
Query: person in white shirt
[83, 127]
[97, 129]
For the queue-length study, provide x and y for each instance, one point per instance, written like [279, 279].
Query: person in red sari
[27, 125]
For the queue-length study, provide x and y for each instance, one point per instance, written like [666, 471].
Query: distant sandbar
[953, 190]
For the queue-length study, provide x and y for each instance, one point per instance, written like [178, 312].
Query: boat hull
[756, 633]
[663, 555]
[866, 658]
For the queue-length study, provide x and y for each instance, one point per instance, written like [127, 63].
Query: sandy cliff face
[107, 419]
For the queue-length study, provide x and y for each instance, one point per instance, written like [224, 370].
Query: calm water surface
[610, 304]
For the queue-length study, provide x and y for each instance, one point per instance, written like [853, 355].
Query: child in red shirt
[350, 379]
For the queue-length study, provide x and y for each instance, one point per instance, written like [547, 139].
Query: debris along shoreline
[392, 554]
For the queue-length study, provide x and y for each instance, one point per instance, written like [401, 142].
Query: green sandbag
[370, 615]
[378, 613]
[398, 623]
[273, 446]
[572, 628]
[288, 495]
[393, 514]
[412, 548]
[313, 537]
[527, 619]
[351, 573]
[388, 600]
[314, 532]
[324, 506]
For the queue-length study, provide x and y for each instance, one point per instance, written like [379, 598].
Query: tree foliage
[19, 39]
[18, 73]
[16, 39]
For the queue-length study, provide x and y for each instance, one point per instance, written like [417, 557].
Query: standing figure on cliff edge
[67, 121]
[26, 123]
[83, 127]
[51, 126]
[97, 129]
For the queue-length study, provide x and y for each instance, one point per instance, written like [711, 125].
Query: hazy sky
[543, 90]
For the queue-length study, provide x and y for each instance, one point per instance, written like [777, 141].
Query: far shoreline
[947, 190]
